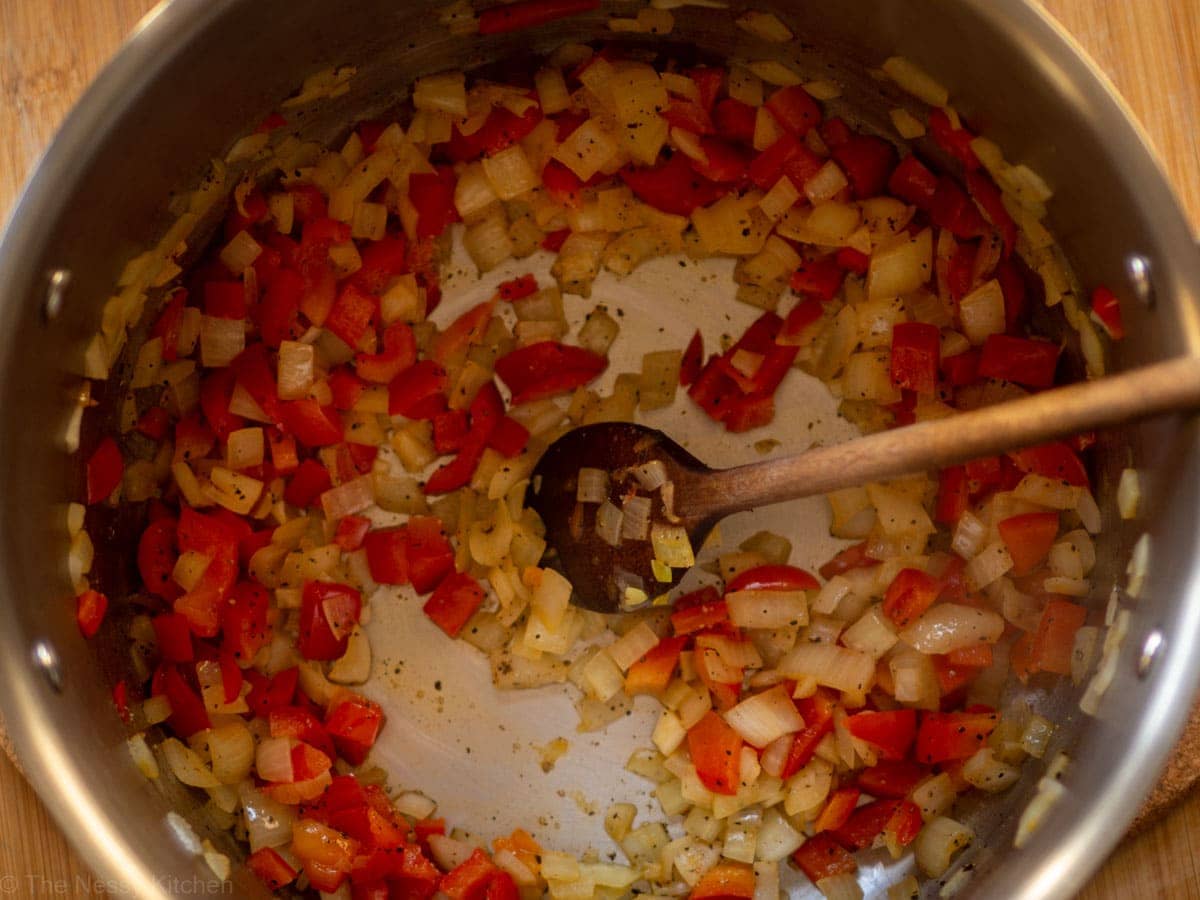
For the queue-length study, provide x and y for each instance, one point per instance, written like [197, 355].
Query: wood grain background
[51, 49]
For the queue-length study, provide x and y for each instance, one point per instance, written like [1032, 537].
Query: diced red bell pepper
[487, 409]
[818, 278]
[270, 868]
[652, 673]
[892, 779]
[1055, 460]
[271, 693]
[327, 613]
[429, 554]
[252, 210]
[399, 353]
[688, 115]
[787, 156]
[547, 368]
[817, 712]
[709, 81]
[724, 163]
[716, 751]
[346, 387]
[773, 577]
[1024, 361]
[835, 132]
[168, 323]
[298, 722]
[795, 109]
[987, 197]
[554, 240]
[105, 468]
[916, 348]
[735, 120]
[518, 288]
[452, 345]
[837, 810]
[1106, 311]
[156, 557]
[309, 482]
[252, 370]
[953, 210]
[90, 607]
[352, 314]
[725, 881]
[865, 824]
[913, 183]
[853, 260]
[419, 391]
[1028, 538]
[509, 438]
[672, 186]
[943, 737]
[699, 610]
[154, 423]
[453, 602]
[954, 496]
[821, 856]
[353, 723]
[277, 313]
[216, 391]
[530, 13]
[693, 357]
[469, 879]
[904, 825]
[188, 714]
[174, 637]
[752, 410]
[225, 299]
[955, 141]
[308, 202]
[855, 557]
[962, 368]
[432, 194]
[387, 555]
[382, 261]
[867, 161]
[244, 621]
[310, 423]
[564, 186]
[1054, 640]
[450, 430]
[891, 732]
[909, 595]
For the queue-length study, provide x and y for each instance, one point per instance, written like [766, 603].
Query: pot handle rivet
[45, 660]
[1151, 647]
[1138, 269]
[56, 291]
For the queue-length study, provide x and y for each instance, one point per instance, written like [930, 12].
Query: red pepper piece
[517, 288]
[450, 430]
[382, 261]
[509, 438]
[856, 557]
[252, 369]
[817, 712]
[310, 423]
[154, 423]
[913, 183]
[725, 881]
[865, 824]
[168, 323]
[735, 120]
[156, 558]
[853, 260]
[1028, 537]
[270, 868]
[835, 132]
[953, 210]
[1054, 460]
[867, 161]
[891, 732]
[701, 609]
[453, 602]
[216, 390]
[716, 751]
[555, 239]
[891, 779]
[955, 141]
[909, 595]
[818, 278]
[688, 115]
[943, 737]
[174, 637]
[787, 156]
[244, 626]
[773, 577]
[419, 391]
[327, 613]
[432, 194]
[954, 496]
[1106, 310]
[652, 673]
[709, 80]
[689, 367]
[399, 353]
[188, 714]
[987, 197]
[225, 299]
[672, 186]
[530, 13]
[353, 724]
[962, 369]
[429, 554]
[1052, 643]
[90, 607]
[352, 314]
[821, 856]
[452, 345]
[308, 203]
[916, 347]
[105, 468]
[1024, 361]
[387, 555]
[310, 480]
[795, 109]
[547, 368]
[271, 693]
[277, 313]
[725, 163]
[837, 810]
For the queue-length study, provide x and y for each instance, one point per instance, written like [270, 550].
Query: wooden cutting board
[51, 49]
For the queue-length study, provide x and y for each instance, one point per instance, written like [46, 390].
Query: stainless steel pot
[200, 72]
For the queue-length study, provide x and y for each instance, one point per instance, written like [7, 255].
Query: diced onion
[947, 627]
[240, 253]
[1129, 493]
[991, 562]
[937, 843]
[268, 823]
[445, 92]
[186, 765]
[635, 522]
[762, 718]
[840, 887]
[767, 608]
[916, 81]
[836, 667]
[901, 267]
[232, 749]
[633, 645]
[592, 486]
[982, 312]
[142, 756]
[221, 340]
[873, 633]
[989, 774]
[672, 545]
[826, 184]
[273, 760]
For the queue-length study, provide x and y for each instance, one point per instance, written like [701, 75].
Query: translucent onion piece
[609, 523]
[186, 765]
[762, 718]
[937, 843]
[592, 486]
[947, 627]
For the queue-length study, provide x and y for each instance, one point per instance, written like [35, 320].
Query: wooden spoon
[601, 573]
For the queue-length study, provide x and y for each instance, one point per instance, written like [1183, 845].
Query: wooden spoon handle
[1143, 393]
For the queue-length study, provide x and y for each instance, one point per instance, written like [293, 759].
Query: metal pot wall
[201, 72]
